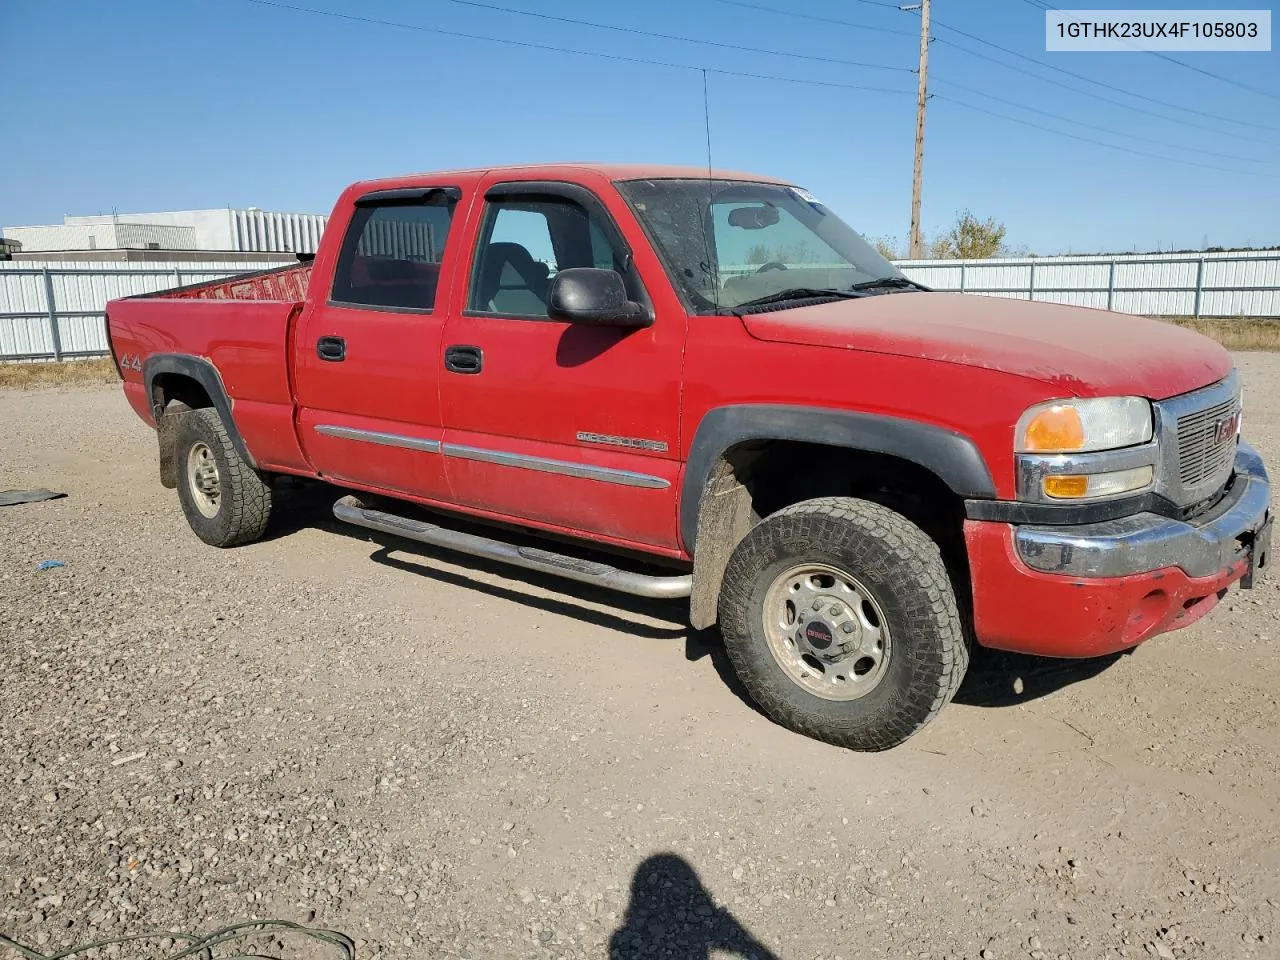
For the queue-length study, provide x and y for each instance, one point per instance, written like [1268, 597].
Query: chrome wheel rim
[826, 631]
[202, 480]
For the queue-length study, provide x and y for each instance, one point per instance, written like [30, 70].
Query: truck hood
[1077, 350]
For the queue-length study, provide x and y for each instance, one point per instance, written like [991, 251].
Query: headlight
[1079, 426]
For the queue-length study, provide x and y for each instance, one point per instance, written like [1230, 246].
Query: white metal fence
[53, 311]
[1169, 285]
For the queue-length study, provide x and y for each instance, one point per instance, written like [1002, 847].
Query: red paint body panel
[389, 381]
[1073, 350]
[244, 340]
[968, 364]
[136, 394]
[724, 365]
[643, 516]
[545, 381]
[1020, 609]
[396, 470]
[553, 529]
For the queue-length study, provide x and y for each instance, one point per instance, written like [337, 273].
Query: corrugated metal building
[250, 230]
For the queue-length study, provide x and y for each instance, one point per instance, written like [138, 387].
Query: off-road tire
[244, 499]
[904, 571]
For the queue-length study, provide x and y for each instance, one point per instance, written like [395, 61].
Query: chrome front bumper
[1148, 541]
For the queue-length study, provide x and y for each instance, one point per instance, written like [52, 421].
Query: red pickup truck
[715, 383]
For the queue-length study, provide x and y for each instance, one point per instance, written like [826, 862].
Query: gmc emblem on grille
[1225, 429]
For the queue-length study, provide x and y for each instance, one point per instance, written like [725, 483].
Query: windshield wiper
[901, 282]
[799, 293]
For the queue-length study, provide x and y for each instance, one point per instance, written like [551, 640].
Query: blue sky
[174, 104]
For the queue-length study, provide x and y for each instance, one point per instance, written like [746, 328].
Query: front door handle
[333, 349]
[462, 359]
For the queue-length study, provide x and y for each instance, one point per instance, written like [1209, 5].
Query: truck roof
[569, 171]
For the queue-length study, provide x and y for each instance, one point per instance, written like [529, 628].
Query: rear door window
[391, 254]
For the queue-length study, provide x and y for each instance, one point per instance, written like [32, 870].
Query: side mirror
[596, 297]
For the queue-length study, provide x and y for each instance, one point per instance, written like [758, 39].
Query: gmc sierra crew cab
[706, 385]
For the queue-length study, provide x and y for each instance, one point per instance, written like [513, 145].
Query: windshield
[727, 243]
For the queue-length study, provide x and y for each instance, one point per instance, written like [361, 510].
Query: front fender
[951, 456]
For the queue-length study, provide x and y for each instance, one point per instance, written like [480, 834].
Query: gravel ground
[443, 759]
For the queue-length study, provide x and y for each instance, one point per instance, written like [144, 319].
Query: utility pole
[916, 251]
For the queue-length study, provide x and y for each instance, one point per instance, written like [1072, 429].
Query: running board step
[351, 510]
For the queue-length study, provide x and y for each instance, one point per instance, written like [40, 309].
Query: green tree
[970, 239]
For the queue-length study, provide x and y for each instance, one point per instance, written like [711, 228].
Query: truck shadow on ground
[994, 679]
[999, 679]
[308, 505]
[671, 914]
[302, 504]
[698, 643]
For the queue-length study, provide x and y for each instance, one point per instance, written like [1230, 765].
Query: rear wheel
[225, 501]
[839, 617]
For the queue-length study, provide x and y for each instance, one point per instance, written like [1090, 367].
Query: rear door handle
[333, 349]
[463, 359]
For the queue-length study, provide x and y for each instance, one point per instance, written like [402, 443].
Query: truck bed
[279, 283]
[239, 327]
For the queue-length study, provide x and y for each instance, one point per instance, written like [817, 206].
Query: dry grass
[1239, 334]
[24, 375]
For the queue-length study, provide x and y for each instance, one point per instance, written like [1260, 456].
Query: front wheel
[225, 500]
[839, 618]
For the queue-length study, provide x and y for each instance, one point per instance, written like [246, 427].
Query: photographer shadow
[671, 914]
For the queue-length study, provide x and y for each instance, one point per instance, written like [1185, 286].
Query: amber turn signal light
[1066, 487]
[1073, 486]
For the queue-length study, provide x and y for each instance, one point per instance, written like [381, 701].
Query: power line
[1009, 66]
[922, 97]
[1100, 143]
[1041, 5]
[1144, 111]
[530, 44]
[809, 16]
[533, 45]
[1094, 126]
[670, 36]
[1098, 83]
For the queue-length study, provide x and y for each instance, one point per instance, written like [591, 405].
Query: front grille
[1200, 455]
[1194, 465]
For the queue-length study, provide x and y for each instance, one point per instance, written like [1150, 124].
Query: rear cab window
[391, 253]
